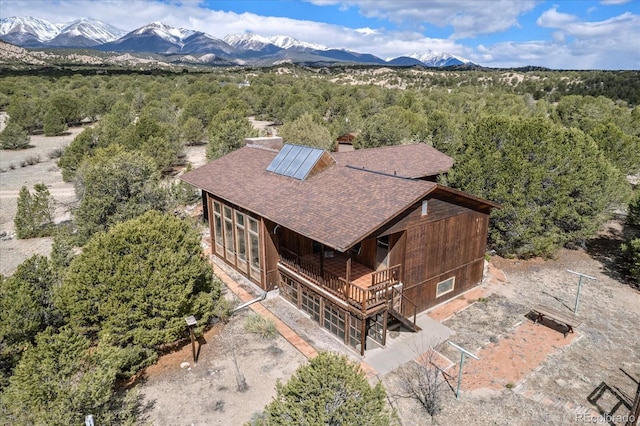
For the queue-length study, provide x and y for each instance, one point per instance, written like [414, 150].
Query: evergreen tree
[26, 303]
[113, 186]
[553, 183]
[54, 123]
[62, 379]
[25, 111]
[381, 129]
[304, 130]
[34, 215]
[633, 216]
[137, 282]
[14, 137]
[84, 144]
[193, 131]
[24, 220]
[227, 131]
[330, 390]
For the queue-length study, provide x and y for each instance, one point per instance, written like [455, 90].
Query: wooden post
[363, 336]
[193, 344]
[384, 327]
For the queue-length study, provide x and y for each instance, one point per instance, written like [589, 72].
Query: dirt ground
[586, 374]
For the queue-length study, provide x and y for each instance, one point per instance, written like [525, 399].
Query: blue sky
[561, 34]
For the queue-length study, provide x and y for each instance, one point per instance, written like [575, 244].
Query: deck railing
[310, 270]
[363, 299]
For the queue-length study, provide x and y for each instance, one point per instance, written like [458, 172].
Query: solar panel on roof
[308, 164]
[286, 161]
[278, 158]
[295, 161]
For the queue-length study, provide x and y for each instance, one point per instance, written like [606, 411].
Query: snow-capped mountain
[203, 43]
[189, 45]
[26, 31]
[155, 37]
[85, 32]
[248, 41]
[432, 58]
[163, 31]
[286, 42]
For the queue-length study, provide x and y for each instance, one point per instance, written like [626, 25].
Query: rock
[184, 365]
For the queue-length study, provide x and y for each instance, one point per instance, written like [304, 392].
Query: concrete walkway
[403, 346]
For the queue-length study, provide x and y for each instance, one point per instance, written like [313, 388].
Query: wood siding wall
[438, 250]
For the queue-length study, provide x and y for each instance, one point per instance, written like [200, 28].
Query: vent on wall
[295, 161]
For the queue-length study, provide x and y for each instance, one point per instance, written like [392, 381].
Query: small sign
[88, 420]
[191, 320]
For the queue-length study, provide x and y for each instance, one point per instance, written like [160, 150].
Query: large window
[237, 239]
[334, 319]
[241, 237]
[228, 232]
[254, 248]
[376, 328]
[445, 286]
[311, 304]
[217, 228]
[354, 331]
[289, 289]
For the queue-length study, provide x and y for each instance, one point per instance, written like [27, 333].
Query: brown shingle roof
[338, 207]
[412, 161]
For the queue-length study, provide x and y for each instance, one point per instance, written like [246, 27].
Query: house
[355, 239]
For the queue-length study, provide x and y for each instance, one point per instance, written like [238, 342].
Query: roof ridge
[349, 166]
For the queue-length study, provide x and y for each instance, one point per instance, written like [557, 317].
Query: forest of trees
[554, 151]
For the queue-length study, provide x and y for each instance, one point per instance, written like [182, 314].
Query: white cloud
[468, 18]
[612, 42]
[574, 43]
[554, 19]
[614, 2]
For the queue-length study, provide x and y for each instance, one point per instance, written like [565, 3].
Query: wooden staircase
[403, 309]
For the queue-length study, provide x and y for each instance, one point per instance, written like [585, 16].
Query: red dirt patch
[513, 357]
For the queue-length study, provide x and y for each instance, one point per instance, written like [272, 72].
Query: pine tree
[135, 283]
[34, 215]
[330, 390]
[14, 137]
[24, 220]
[54, 123]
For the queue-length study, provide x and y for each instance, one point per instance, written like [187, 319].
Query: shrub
[261, 326]
[14, 137]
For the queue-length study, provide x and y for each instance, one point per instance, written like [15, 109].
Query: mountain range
[190, 46]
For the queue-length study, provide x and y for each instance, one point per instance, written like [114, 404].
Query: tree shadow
[606, 248]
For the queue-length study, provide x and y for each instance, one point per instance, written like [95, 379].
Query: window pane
[216, 206]
[445, 286]
[242, 254]
[228, 226]
[255, 252]
[253, 225]
[239, 219]
[218, 228]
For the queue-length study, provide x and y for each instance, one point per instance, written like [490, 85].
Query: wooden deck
[337, 265]
[366, 290]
